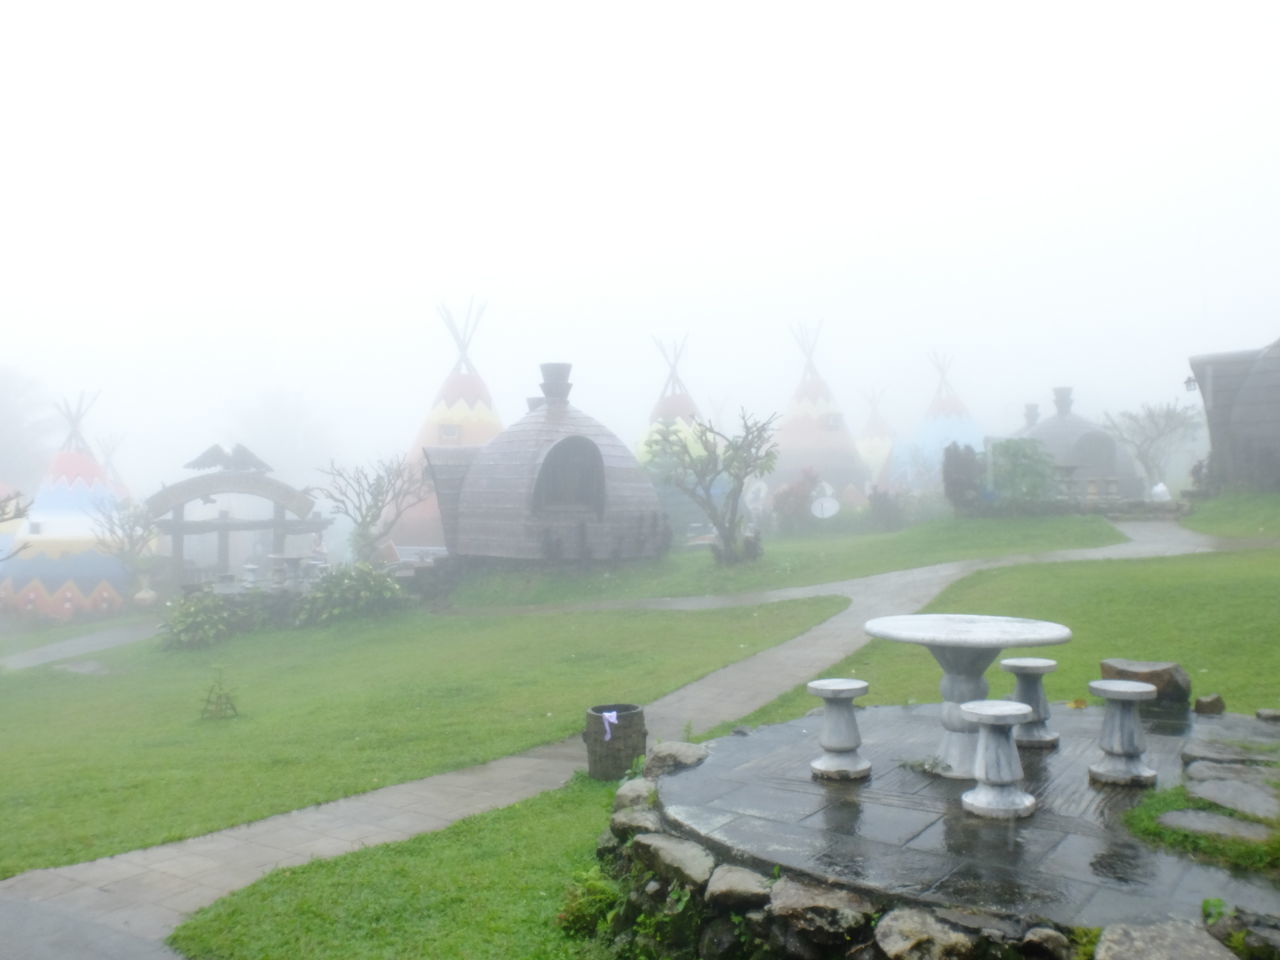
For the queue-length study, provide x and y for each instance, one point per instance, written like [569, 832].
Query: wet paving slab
[903, 834]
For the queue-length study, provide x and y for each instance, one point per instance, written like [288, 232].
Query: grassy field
[116, 762]
[1253, 515]
[1216, 614]
[1213, 613]
[486, 888]
[791, 563]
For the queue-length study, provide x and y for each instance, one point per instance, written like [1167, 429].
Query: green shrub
[199, 619]
[587, 904]
[354, 591]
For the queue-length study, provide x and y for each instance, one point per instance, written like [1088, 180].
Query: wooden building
[1241, 393]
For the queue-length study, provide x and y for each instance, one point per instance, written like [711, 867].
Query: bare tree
[12, 507]
[712, 468]
[1153, 433]
[124, 530]
[373, 498]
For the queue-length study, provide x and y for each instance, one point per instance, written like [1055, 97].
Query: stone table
[964, 646]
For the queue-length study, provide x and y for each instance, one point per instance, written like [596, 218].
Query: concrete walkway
[124, 906]
[79, 646]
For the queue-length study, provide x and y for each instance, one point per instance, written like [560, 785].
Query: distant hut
[1091, 465]
[555, 485]
[462, 415]
[813, 435]
[1241, 394]
[875, 444]
[918, 463]
[61, 571]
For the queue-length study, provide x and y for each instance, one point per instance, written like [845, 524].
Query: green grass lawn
[110, 763]
[440, 895]
[1251, 515]
[1215, 614]
[16, 636]
[791, 563]
[486, 888]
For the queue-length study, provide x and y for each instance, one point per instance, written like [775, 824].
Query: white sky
[204, 203]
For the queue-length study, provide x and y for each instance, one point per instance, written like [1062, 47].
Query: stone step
[1213, 824]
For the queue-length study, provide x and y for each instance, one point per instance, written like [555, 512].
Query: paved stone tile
[149, 921]
[187, 866]
[101, 871]
[891, 824]
[1114, 861]
[285, 838]
[192, 898]
[150, 886]
[38, 885]
[1009, 842]
[327, 847]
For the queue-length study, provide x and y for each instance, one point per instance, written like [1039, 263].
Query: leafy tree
[1021, 469]
[712, 468]
[373, 498]
[1153, 433]
[12, 507]
[124, 530]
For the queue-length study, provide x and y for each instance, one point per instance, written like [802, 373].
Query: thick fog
[235, 222]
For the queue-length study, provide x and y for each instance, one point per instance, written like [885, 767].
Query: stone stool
[1030, 690]
[1121, 740]
[839, 737]
[996, 765]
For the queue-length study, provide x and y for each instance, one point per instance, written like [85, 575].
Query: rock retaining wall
[679, 901]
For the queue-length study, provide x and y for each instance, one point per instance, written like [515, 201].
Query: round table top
[967, 630]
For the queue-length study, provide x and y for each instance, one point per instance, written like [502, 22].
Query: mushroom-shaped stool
[996, 766]
[1030, 690]
[839, 737]
[1122, 742]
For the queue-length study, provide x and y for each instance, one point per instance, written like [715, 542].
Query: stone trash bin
[615, 736]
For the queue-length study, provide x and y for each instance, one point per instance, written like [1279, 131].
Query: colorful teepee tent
[875, 443]
[675, 408]
[813, 435]
[462, 415]
[60, 570]
[918, 464]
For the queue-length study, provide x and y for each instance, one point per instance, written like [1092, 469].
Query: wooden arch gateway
[285, 499]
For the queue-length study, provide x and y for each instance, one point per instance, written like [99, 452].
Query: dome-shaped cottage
[1092, 464]
[555, 485]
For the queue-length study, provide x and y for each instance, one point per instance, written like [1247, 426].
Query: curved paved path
[124, 906]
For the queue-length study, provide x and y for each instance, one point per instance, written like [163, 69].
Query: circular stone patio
[902, 835]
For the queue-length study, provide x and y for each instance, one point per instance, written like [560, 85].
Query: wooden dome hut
[813, 436]
[1241, 394]
[555, 485]
[462, 415]
[1091, 465]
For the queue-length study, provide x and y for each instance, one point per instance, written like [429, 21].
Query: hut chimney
[535, 402]
[1062, 400]
[1031, 413]
[555, 382]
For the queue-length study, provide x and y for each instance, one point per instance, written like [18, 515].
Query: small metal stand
[839, 737]
[1122, 742]
[1030, 690]
[996, 765]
